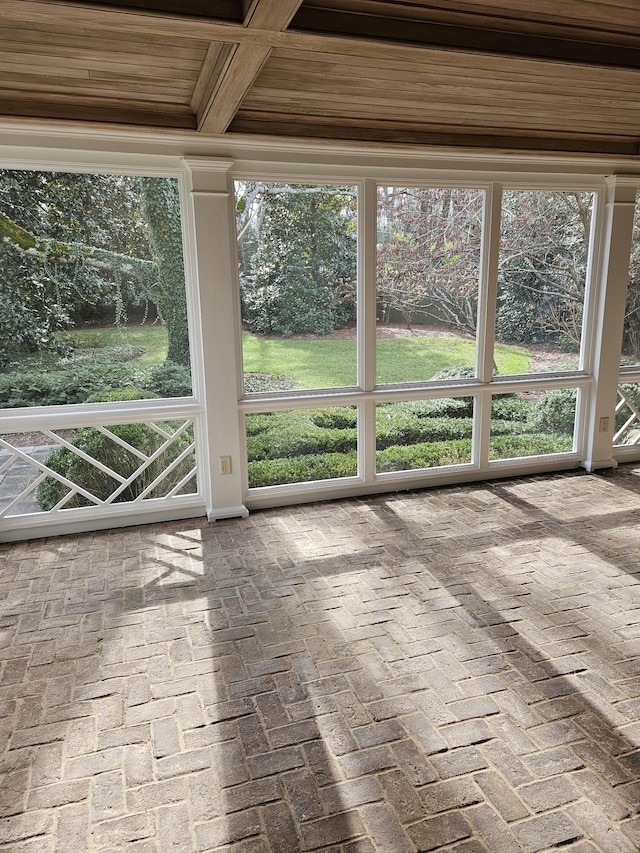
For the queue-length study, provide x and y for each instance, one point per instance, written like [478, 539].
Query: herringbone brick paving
[457, 669]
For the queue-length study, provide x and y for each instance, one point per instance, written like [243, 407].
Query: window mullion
[367, 240]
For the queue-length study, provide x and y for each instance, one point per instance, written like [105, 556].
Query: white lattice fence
[627, 415]
[98, 466]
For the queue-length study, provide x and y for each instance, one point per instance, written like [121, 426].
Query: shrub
[443, 407]
[302, 469]
[513, 446]
[344, 417]
[116, 353]
[59, 387]
[280, 434]
[424, 455]
[169, 380]
[119, 394]
[400, 428]
[556, 411]
[461, 372]
[511, 408]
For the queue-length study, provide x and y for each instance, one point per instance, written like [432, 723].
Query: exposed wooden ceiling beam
[224, 94]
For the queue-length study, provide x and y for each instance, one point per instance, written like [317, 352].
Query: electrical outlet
[604, 424]
[225, 464]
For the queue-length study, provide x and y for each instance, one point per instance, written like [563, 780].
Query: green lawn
[152, 338]
[324, 362]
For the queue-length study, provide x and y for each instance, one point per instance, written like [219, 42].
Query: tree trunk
[161, 208]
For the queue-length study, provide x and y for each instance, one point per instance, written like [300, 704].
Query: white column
[486, 322]
[614, 278]
[214, 238]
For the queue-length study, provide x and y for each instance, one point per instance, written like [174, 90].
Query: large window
[428, 267]
[93, 309]
[297, 253]
[544, 245]
[93, 291]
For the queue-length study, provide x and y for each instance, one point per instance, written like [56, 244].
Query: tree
[297, 257]
[429, 253]
[72, 242]
[161, 208]
[543, 263]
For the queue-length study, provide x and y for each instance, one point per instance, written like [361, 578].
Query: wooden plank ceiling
[526, 74]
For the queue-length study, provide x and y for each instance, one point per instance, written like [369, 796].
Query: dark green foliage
[302, 469]
[556, 412]
[115, 353]
[461, 372]
[510, 408]
[345, 417]
[73, 245]
[90, 374]
[424, 455]
[400, 429]
[160, 203]
[169, 380]
[59, 387]
[284, 434]
[443, 407]
[119, 395]
[513, 446]
[298, 260]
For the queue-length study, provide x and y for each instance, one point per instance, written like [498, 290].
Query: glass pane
[423, 434]
[631, 338]
[297, 257]
[428, 267]
[93, 292]
[532, 423]
[542, 275]
[627, 415]
[302, 445]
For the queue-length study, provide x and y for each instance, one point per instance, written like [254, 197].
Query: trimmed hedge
[302, 469]
[284, 434]
[424, 455]
[305, 445]
[508, 446]
[169, 380]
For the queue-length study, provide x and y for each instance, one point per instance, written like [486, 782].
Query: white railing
[57, 467]
[628, 434]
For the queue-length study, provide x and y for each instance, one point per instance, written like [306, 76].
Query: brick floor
[452, 670]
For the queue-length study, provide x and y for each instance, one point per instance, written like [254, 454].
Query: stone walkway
[20, 474]
[457, 669]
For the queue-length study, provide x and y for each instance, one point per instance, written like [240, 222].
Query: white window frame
[206, 167]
